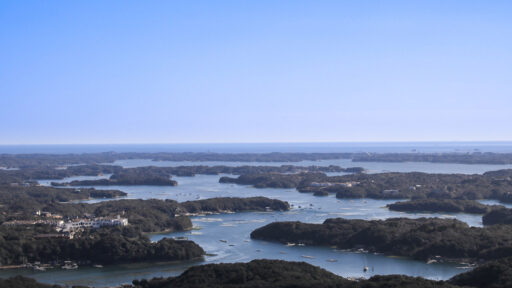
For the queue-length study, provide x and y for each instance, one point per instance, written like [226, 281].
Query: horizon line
[263, 143]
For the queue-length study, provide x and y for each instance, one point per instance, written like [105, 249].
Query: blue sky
[254, 71]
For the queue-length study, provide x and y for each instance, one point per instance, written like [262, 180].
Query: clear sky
[254, 71]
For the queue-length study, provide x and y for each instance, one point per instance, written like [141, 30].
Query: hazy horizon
[310, 147]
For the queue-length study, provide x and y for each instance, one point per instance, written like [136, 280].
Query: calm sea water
[234, 229]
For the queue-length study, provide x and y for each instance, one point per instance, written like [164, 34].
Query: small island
[443, 206]
[128, 177]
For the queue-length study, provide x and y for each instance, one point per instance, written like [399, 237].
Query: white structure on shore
[92, 223]
[330, 184]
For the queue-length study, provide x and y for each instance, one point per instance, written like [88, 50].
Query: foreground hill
[281, 274]
[277, 273]
[498, 216]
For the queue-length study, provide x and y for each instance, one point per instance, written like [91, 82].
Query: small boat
[69, 266]
[223, 241]
[301, 244]
[332, 260]
[97, 266]
[290, 244]
[307, 256]
[39, 268]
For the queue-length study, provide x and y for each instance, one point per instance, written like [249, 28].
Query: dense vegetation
[415, 185]
[32, 174]
[166, 215]
[494, 274]
[464, 158]
[22, 202]
[275, 180]
[498, 216]
[133, 176]
[278, 274]
[420, 239]
[19, 245]
[145, 215]
[160, 175]
[238, 170]
[150, 215]
[24, 282]
[257, 273]
[424, 185]
[44, 195]
[443, 205]
[234, 205]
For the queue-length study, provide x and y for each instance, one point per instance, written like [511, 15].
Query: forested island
[422, 239]
[461, 158]
[443, 206]
[101, 246]
[155, 177]
[285, 274]
[22, 202]
[275, 180]
[498, 216]
[412, 185]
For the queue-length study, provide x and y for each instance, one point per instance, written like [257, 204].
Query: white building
[93, 223]
[329, 184]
